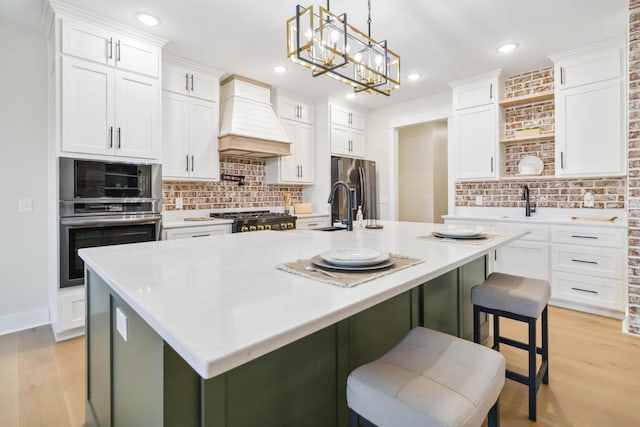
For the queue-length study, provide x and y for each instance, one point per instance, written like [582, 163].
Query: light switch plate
[588, 200]
[121, 323]
[179, 203]
[479, 201]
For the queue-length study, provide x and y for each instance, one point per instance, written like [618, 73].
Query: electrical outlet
[25, 204]
[179, 204]
[588, 200]
[479, 201]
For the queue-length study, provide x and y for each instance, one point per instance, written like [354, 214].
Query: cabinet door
[305, 152]
[591, 68]
[175, 135]
[88, 124]
[203, 139]
[293, 109]
[589, 130]
[136, 116]
[340, 116]
[474, 94]
[203, 86]
[357, 120]
[134, 55]
[289, 165]
[88, 41]
[523, 258]
[175, 79]
[358, 141]
[476, 135]
[341, 140]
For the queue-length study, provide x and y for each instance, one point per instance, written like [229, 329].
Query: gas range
[257, 220]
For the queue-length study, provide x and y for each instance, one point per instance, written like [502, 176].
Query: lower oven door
[87, 232]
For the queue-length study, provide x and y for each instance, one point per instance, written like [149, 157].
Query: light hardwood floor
[594, 377]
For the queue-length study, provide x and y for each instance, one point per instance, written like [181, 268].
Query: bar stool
[522, 299]
[428, 379]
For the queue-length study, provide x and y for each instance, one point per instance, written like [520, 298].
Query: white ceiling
[444, 40]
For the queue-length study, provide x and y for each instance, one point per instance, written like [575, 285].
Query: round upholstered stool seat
[514, 294]
[523, 299]
[428, 379]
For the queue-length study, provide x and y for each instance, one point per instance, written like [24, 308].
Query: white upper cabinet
[190, 121]
[104, 46]
[187, 81]
[108, 112]
[590, 111]
[476, 124]
[297, 116]
[347, 131]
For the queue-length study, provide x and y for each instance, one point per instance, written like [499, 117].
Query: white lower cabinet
[71, 309]
[584, 264]
[311, 223]
[196, 231]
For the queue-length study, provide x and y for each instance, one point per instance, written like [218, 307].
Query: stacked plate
[354, 259]
[459, 233]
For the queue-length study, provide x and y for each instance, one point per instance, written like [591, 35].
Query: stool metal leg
[545, 345]
[496, 332]
[532, 369]
[493, 419]
[476, 324]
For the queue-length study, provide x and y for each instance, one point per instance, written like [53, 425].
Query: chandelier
[328, 45]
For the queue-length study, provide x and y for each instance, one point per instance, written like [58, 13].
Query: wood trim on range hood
[238, 145]
[248, 125]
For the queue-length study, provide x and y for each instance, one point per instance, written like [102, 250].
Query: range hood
[248, 125]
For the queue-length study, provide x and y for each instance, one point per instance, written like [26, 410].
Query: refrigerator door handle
[364, 188]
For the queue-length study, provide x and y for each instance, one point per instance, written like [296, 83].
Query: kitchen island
[208, 332]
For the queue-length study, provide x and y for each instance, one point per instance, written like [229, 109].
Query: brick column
[633, 198]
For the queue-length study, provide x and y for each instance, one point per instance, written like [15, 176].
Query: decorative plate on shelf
[530, 165]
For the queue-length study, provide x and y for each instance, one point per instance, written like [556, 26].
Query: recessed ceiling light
[506, 48]
[279, 69]
[350, 95]
[414, 76]
[147, 19]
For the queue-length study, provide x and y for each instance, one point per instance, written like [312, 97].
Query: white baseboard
[588, 309]
[26, 320]
[65, 335]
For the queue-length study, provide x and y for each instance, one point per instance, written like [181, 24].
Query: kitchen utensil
[530, 165]
[310, 268]
[354, 257]
[316, 260]
[287, 201]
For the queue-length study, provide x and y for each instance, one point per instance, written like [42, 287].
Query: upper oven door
[85, 179]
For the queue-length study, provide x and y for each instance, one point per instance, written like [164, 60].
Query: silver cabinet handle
[118, 51]
[192, 163]
[300, 171]
[187, 156]
[576, 236]
[561, 76]
[584, 262]
[201, 235]
[110, 136]
[491, 91]
[191, 82]
[110, 56]
[562, 160]
[491, 164]
[186, 82]
[119, 138]
[584, 290]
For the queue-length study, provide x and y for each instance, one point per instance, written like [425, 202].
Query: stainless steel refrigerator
[360, 175]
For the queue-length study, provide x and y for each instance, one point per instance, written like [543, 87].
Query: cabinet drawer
[537, 233]
[192, 232]
[311, 223]
[602, 262]
[604, 293]
[72, 310]
[588, 236]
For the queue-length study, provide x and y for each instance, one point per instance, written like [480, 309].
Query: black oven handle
[106, 221]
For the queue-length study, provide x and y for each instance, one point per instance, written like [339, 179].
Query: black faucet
[349, 195]
[527, 203]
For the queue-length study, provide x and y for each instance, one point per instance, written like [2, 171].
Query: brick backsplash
[256, 193]
[529, 83]
[608, 193]
[544, 150]
[633, 210]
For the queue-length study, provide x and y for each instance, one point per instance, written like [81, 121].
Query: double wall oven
[105, 203]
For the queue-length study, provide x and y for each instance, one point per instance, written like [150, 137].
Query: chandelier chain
[369, 18]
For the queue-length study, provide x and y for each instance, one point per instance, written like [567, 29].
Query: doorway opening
[423, 172]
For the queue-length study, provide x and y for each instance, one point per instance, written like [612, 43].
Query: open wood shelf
[528, 138]
[527, 99]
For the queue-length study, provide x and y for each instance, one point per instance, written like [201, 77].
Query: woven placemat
[347, 279]
[482, 241]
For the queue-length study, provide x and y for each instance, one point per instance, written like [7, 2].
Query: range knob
[244, 229]
[267, 226]
[290, 225]
[252, 228]
[283, 226]
[260, 227]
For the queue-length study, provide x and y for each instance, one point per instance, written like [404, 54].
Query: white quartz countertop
[220, 302]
